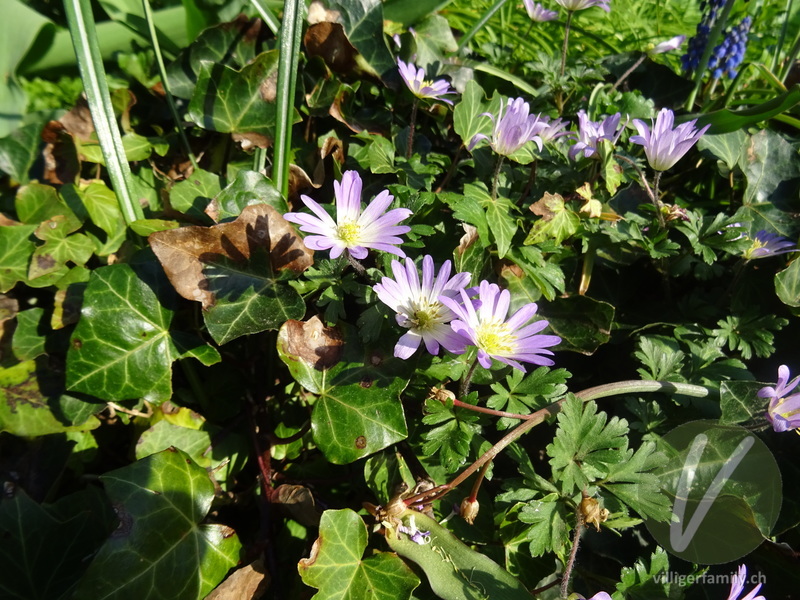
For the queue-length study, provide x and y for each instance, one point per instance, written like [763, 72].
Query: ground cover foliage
[194, 402]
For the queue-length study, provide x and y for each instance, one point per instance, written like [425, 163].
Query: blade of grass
[479, 24]
[162, 70]
[267, 16]
[87, 50]
[289, 44]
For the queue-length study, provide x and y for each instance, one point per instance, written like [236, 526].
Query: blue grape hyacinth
[728, 54]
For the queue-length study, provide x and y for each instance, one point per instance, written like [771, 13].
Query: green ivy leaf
[586, 444]
[725, 147]
[124, 331]
[29, 339]
[192, 195]
[249, 188]
[454, 570]
[232, 101]
[160, 501]
[767, 161]
[37, 202]
[29, 408]
[358, 410]
[583, 323]
[59, 247]
[787, 284]
[336, 567]
[16, 249]
[18, 151]
[740, 403]
[363, 24]
[101, 204]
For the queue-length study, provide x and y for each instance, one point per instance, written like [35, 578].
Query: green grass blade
[479, 24]
[87, 50]
[267, 16]
[287, 79]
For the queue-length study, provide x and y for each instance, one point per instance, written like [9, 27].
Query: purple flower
[417, 536]
[512, 129]
[422, 88]
[737, 585]
[591, 132]
[669, 45]
[552, 129]
[783, 411]
[353, 230]
[600, 596]
[510, 341]
[538, 13]
[419, 308]
[768, 244]
[573, 5]
[664, 146]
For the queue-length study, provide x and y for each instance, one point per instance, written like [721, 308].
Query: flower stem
[359, 268]
[463, 389]
[489, 411]
[566, 43]
[473, 495]
[411, 125]
[496, 175]
[627, 73]
[572, 554]
[653, 194]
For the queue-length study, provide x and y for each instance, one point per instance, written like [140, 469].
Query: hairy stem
[496, 175]
[463, 389]
[411, 125]
[576, 539]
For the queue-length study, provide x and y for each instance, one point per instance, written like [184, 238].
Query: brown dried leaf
[313, 342]
[548, 206]
[470, 237]
[251, 140]
[186, 251]
[61, 162]
[299, 503]
[329, 41]
[248, 583]
[9, 307]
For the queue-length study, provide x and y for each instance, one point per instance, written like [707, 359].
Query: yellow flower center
[425, 314]
[349, 233]
[495, 338]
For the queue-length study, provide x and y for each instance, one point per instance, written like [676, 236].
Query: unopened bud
[469, 510]
[592, 513]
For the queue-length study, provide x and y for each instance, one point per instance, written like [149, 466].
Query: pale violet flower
[538, 13]
[422, 88]
[416, 535]
[353, 230]
[783, 411]
[591, 132]
[419, 306]
[552, 130]
[767, 244]
[669, 45]
[512, 129]
[573, 5]
[664, 146]
[486, 326]
[600, 596]
[737, 586]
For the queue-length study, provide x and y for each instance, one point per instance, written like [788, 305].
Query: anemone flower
[421, 87]
[419, 306]
[496, 337]
[665, 145]
[737, 586]
[591, 132]
[512, 129]
[783, 411]
[768, 244]
[353, 230]
[573, 5]
[671, 44]
[538, 13]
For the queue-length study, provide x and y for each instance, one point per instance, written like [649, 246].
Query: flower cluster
[421, 87]
[697, 43]
[664, 146]
[538, 13]
[591, 132]
[727, 56]
[783, 411]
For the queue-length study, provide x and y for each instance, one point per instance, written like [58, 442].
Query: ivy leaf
[336, 567]
[452, 438]
[231, 101]
[124, 331]
[363, 24]
[37, 202]
[766, 161]
[18, 151]
[467, 118]
[740, 403]
[357, 411]
[557, 223]
[59, 247]
[101, 204]
[583, 323]
[249, 188]
[160, 501]
[192, 195]
[632, 480]
[16, 249]
[787, 284]
[586, 444]
[549, 531]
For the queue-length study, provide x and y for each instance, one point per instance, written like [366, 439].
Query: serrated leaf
[160, 501]
[231, 101]
[452, 439]
[548, 519]
[236, 271]
[586, 444]
[16, 249]
[633, 481]
[124, 331]
[467, 118]
[523, 394]
[28, 407]
[358, 410]
[336, 567]
[557, 222]
[454, 570]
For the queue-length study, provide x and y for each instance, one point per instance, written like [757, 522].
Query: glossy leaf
[363, 24]
[787, 284]
[726, 121]
[18, 151]
[358, 408]
[583, 323]
[336, 567]
[454, 570]
[16, 248]
[161, 501]
[192, 195]
[766, 161]
[726, 147]
[232, 101]
[124, 331]
[249, 187]
[740, 403]
[59, 248]
[28, 341]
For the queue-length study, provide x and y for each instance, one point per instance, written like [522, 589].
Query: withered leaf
[299, 503]
[329, 42]
[248, 583]
[313, 342]
[548, 206]
[186, 252]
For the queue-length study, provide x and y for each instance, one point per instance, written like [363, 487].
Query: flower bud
[469, 510]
